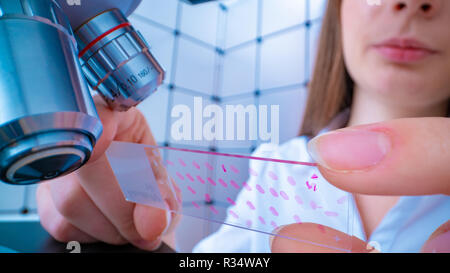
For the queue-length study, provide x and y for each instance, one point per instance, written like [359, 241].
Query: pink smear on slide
[207, 198]
[208, 166]
[309, 186]
[223, 168]
[249, 223]
[331, 213]
[273, 175]
[223, 183]
[181, 162]
[196, 165]
[211, 181]
[284, 195]
[291, 180]
[260, 189]
[273, 211]
[231, 201]
[247, 186]
[234, 169]
[180, 175]
[273, 192]
[191, 190]
[234, 214]
[297, 219]
[298, 199]
[342, 199]
[321, 228]
[234, 184]
[195, 204]
[200, 179]
[261, 219]
[250, 205]
[213, 209]
[252, 172]
[188, 175]
[313, 205]
[170, 162]
[274, 225]
[314, 176]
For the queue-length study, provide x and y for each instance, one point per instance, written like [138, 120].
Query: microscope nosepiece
[116, 60]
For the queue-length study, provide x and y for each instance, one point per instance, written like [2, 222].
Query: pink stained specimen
[250, 205]
[234, 214]
[252, 172]
[189, 176]
[247, 186]
[180, 175]
[196, 165]
[170, 162]
[249, 223]
[274, 225]
[342, 200]
[291, 180]
[314, 176]
[191, 190]
[273, 211]
[223, 168]
[211, 181]
[260, 189]
[307, 184]
[297, 219]
[315, 188]
[195, 204]
[321, 228]
[234, 169]
[213, 209]
[234, 184]
[284, 195]
[181, 162]
[261, 219]
[223, 183]
[273, 175]
[313, 204]
[298, 199]
[231, 201]
[200, 179]
[207, 198]
[331, 213]
[273, 192]
[208, 166]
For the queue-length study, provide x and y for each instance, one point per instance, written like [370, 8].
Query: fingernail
[349, 149]
[275, 231]
[168, 218]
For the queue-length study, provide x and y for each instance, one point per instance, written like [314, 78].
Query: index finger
[398, 157]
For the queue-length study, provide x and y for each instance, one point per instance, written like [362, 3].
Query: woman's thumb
[398, 157]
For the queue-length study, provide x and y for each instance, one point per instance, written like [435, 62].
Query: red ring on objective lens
[96, 40]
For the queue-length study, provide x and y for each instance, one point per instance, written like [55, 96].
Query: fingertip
[314, 238]
[150, 222]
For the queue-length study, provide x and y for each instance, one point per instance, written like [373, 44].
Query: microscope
[53, 55]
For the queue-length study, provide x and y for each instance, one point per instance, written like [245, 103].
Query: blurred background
[227, 52]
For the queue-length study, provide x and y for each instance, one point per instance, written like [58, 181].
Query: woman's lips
[404, 50]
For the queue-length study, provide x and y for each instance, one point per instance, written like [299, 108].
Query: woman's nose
[424, 8]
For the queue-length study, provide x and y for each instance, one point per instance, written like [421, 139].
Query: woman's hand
[398, 157]
[88, 205]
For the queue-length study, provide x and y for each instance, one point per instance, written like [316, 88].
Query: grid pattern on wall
[257, 52]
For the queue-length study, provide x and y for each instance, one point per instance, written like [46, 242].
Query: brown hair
[331, 87]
